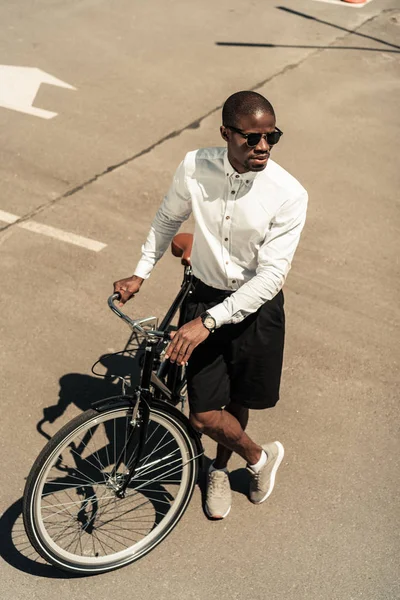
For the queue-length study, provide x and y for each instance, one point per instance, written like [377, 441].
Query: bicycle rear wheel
[72, 515]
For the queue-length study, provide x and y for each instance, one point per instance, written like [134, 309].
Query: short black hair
[244, 103]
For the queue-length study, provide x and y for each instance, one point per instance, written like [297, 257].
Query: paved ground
[150, 78]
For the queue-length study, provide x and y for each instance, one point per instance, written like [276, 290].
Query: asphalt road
[150, 78]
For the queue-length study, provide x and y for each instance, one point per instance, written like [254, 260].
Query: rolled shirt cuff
[143, 269]
[220, 314]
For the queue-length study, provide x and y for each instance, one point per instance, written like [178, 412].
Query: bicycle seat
[181, 246]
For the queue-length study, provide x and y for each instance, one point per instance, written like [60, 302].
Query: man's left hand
[185, 340]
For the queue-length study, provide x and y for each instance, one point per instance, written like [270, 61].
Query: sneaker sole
[281, 454]
[217, 517]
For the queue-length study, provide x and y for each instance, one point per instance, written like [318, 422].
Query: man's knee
[205, 421]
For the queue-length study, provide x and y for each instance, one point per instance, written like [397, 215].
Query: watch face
[209, 322]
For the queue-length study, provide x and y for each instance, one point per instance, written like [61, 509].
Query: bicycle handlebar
[137, 324]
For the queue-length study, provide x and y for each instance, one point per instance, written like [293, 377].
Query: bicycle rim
[76, 520]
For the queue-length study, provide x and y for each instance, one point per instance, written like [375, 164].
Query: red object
[355, 1]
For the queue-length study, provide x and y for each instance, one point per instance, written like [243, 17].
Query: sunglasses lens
[253, 139]
[273, 138]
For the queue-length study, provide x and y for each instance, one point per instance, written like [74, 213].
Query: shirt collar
[231, 173]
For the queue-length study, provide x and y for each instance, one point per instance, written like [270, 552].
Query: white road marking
[344, 3]
[8, 217]
[19, 86]
[53, 232]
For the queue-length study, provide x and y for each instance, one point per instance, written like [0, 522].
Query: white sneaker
[219, 495]
[262, 483]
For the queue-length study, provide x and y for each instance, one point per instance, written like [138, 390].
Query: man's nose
[263, 145]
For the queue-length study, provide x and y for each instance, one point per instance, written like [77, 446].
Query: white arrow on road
[19, 86]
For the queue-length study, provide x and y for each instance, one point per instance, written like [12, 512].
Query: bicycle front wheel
[72, 513]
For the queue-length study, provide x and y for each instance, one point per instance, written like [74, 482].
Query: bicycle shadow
[17, 551]
[82, 390]
[79, 390]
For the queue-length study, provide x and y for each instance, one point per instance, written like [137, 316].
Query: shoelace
[255, 483]
[256, 476]
[217, 483]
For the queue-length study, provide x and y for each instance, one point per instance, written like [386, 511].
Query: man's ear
[224, 133]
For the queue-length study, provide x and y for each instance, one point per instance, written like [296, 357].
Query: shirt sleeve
[174, 210]
[274, 261]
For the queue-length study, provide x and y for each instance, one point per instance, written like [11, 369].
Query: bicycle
[113, 482]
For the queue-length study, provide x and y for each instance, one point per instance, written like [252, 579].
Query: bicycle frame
[143, 396]
[173, 392]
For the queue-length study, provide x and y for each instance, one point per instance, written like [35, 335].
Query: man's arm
[274, 261]
[174, 210]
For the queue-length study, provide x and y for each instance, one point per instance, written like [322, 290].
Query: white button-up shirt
[247, 227]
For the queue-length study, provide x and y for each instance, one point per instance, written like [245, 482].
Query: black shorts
[239, 363]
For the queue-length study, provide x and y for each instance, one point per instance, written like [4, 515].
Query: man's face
[241, 157]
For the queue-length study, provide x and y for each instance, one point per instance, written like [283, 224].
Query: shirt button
[233, 192]
[237, 176]
[227, 218]
[227, 174]
[247, 181]
[227, 262]
[233, 280]
[227, 239]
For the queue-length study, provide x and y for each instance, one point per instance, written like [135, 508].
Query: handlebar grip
[117, 311]
[135, 324]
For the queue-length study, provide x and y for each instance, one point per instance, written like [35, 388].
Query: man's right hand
[127, 288]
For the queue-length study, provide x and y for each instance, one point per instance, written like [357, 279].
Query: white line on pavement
[53, 232]
[8, 217]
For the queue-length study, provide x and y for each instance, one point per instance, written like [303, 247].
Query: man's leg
[225, 429]
[223, 453]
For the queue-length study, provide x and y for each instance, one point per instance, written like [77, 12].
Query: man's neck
[239, 168]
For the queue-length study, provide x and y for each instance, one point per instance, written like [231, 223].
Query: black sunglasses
[253, 139]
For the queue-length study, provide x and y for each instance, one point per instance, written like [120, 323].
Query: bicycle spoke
[69, 487]
[158, 464]
[155, 449]
[86, 446]
[146, 464]
[72, 503]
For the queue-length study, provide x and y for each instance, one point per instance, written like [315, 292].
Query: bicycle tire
[89, 510]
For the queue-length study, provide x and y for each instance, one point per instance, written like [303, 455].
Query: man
[249, 213]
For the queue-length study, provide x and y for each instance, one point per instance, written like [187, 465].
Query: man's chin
[257, 165]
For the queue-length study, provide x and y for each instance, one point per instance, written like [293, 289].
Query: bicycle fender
[113, 402]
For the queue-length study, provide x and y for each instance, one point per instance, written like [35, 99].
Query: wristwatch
[208, 321]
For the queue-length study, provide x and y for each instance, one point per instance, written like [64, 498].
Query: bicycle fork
[133, 449]
[138, 424]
